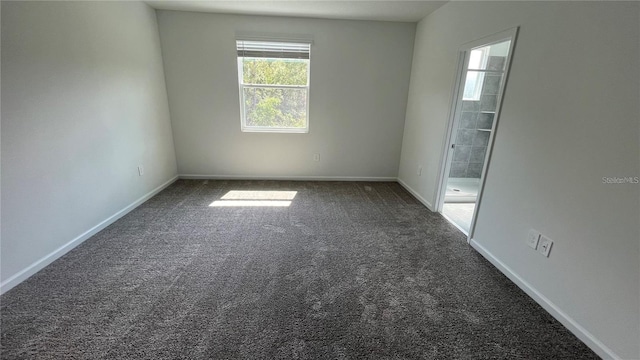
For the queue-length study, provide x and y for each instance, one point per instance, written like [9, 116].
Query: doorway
[480, 87]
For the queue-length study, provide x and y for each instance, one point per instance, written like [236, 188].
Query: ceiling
[398, 10]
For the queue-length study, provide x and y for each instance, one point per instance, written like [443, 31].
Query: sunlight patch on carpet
[266, 198]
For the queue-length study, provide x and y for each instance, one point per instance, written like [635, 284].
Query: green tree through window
[274, 90]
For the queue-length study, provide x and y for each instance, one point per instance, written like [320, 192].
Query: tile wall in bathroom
[475, 124]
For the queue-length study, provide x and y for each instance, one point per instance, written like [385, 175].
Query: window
[473, 83]
[274, 86]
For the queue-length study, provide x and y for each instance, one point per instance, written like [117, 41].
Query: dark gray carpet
[348, 271]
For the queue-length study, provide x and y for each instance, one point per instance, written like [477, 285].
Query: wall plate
[533, 239]
[545, 245]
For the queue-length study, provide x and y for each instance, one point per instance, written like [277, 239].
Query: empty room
[320, 180]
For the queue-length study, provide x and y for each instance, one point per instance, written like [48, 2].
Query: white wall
[570, 116]
[83, 103]
[358, 90]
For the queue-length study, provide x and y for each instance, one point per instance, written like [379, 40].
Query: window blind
[270, 49]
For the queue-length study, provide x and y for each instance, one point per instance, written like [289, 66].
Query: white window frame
[241, 85]
[477, 90]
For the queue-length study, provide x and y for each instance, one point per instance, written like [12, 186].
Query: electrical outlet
[419, 172]
[545, 245]
[140, 170]
[533, 239]
[316, 157]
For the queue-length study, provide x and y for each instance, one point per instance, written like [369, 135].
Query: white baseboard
[585, 336]
[48, 259]
[415, 194]
[290, 178]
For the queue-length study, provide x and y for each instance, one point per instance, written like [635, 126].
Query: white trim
[271, 129]
[48, 259]
[267, 86]
[279, 130]
[512, 36]
[290, 178]
[415, 194]
[445, 159]
[583, 334]
[492, 39]
[480, 80]
[454, 117]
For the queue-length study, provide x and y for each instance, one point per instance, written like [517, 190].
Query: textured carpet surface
[347, 271]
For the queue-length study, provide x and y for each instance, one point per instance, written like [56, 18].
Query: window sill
[275, 130]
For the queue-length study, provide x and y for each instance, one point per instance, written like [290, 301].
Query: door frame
[456, 110]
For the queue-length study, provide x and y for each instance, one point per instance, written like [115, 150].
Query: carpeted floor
[349, 270]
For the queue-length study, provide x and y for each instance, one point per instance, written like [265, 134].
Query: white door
[475, 111]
